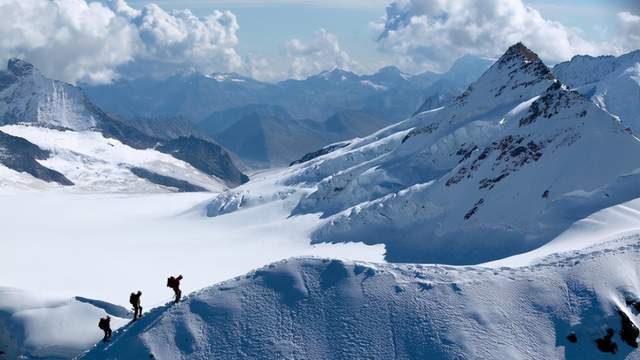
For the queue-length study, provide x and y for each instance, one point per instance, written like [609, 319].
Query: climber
[174, 283]
[134, 300]
[105, 325]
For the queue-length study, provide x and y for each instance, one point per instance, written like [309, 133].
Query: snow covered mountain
[43, 121]
[561, 307]
[613, 83]
[449, 185]
[29, 97]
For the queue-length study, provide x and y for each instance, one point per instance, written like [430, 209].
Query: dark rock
[325, 150]
[19, 67]
[422, 130]
[629, 332]
[180, 185]
[605, 344]
[473, 210]
[632, 302]
[205, 156]
[572, 338]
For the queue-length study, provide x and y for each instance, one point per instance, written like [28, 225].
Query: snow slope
[605, 225]
[34, 325]
[314, 308]
[98, 164]
[613, 83]
[22, 181]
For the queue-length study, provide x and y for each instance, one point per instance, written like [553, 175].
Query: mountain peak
[527, 61]
[337, 74]
[389, 70]
[518, 74]
[19, 67]
[390, 73]
[519, 51]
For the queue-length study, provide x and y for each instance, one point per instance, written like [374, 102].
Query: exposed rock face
[605, 344]
[19, 67]
[19, 154]
[325, 150]
[180, 185]
[629, 332]
[205, 156]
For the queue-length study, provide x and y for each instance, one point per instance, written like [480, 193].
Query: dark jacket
[104, 323]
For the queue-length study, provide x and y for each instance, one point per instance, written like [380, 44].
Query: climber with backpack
[174, 283]
[134, 300]
[105, 325]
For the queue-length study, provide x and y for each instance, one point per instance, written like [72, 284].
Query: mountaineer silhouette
[134, 300]
[105, 325]
[174, 283]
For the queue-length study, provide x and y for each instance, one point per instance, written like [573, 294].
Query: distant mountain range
[195, 96]
[269, 136]
[331, 106]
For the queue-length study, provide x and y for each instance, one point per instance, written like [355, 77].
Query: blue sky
[266, 24]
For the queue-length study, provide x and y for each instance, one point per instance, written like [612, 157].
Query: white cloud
[69, 38]
[181, 38]
[263, 69]
[430, 34]
[338, 4]
[322, 52]
[75, 40]
[628, 31]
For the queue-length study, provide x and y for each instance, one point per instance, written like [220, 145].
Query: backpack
[171, 281]
[132, 299]
[102, 324]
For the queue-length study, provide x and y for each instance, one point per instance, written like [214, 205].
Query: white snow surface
[98, 164]
[38, 325]
[105, 246]
[330, 309]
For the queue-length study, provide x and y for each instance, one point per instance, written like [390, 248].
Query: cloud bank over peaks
[72, 39]
[93, 42]
[322, 52]
[628, 31]
[76, 40]
[430, 35]
[180, 39]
